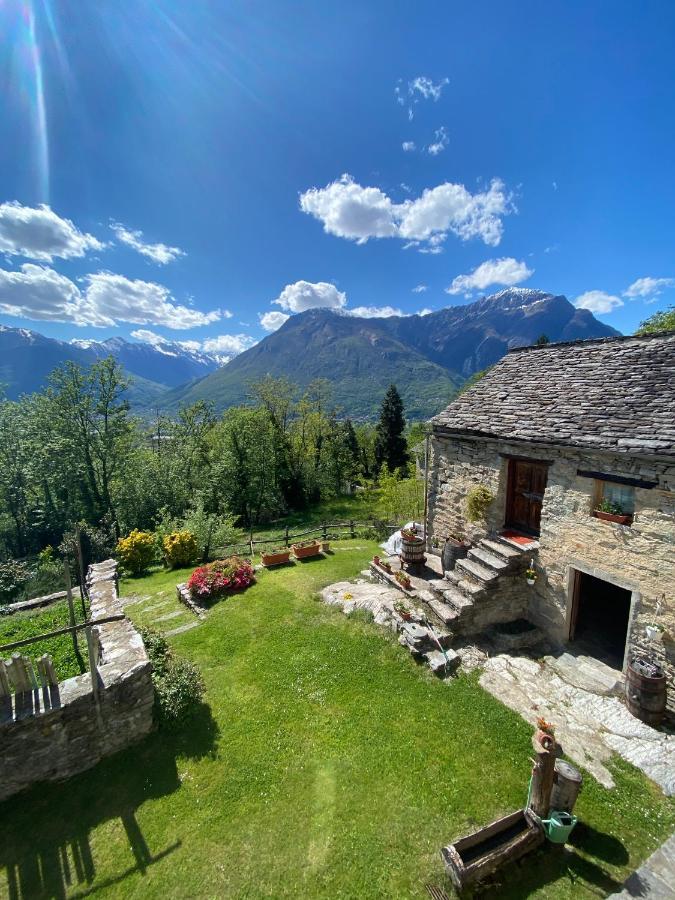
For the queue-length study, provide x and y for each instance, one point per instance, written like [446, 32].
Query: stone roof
[615, 394]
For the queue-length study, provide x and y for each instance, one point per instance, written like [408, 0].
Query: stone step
[480, 573]
[458, 600]
[470, 588]
[446, 613]
[442, 663]
[439, 585]
[420, 638]
[507, 552]
[515, 545]
[489, 560]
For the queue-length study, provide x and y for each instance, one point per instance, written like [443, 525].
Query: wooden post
[352, 533]
[93, 670]
[542, 773]
[71, 606]
[324, 532]
[426, 488]
[5, 689]
[250, 543]
[80, 565]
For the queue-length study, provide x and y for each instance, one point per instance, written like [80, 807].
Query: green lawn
[326, 764]
[29, 624]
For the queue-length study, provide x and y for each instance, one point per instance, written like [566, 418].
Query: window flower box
[617, 518]
[305, 549]
[275, 557]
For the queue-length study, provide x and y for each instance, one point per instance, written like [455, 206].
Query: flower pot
[613, 517]
[546, 740]
[302, 551]
[653, 633]
[325, 546]
[531, 580]
[452, 551]
[275, 557]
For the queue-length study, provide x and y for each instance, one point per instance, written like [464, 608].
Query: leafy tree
[390, 445]
[659, 321]
[542, 340]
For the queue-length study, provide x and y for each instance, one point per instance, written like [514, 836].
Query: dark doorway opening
[599, 620]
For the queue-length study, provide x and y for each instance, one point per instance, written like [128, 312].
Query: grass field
[325, 763]
[29, 624]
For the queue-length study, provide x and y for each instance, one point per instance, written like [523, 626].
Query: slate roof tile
[616, 394]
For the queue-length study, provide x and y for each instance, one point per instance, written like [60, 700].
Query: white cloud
[375, 312]
[38, 292]
[420, 289]
[224, 346]
[270, 321]
[598, 302]
[505, 271]
[554, 185]
[440, 143]
[420, 88]
[39, 233]
[358, 213]
[142, 302]
[305, 295]
[159, 253]
[425, 312]
[409, 146]
[228, 344]
[648, 287]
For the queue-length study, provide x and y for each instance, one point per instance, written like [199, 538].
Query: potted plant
[456, 547]
[403, 580]
[612, 512]
[403, 611]
[275, 557]
[545, 733]
[531, 574]
[654, 631]
[304, 549]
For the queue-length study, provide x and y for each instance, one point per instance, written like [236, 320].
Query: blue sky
[205, 164]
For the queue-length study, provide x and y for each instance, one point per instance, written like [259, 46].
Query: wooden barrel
[412, 552]
[452, 551]
[646, 691]
[566, 786]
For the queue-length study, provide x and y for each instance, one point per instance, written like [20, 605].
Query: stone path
[655, 879]
[578, 695]
[162, 612]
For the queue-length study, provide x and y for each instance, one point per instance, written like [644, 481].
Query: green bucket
[559, 826]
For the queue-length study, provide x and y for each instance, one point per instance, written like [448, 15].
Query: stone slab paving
[171, 615]
[655, 879]
[591, 724]
[181, 628]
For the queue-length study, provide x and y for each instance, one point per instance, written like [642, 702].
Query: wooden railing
[327, 530]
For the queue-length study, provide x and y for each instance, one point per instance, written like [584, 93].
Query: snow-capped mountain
[166, 362]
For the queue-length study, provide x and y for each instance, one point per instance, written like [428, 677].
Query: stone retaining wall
[640, 558]
[52, 737]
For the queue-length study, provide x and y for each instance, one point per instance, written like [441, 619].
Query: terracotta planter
[275, 558]
[306, 550]
[612, 517]
[546, 740]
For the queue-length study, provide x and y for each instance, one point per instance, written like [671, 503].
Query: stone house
[554, 432]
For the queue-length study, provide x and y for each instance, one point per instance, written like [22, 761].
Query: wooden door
[527, 483]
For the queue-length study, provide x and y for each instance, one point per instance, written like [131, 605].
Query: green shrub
[477, 502]
[178, 683]
[136, 551]
[180, 549]
[13, 576]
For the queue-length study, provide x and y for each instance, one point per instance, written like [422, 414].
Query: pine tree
[390, 445]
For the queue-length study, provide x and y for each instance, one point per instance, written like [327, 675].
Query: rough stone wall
[640, 558]
[53, 738]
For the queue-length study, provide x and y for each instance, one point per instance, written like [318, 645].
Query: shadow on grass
[45, 850]
[553, 862]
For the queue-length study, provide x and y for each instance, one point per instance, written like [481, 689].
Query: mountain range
[427, 356]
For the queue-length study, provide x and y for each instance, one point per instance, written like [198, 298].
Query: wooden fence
[326, 531]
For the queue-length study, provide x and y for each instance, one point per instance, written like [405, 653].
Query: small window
[614, 501]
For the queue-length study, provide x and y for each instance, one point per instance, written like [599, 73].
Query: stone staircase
[423, 645]
[468, 598]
